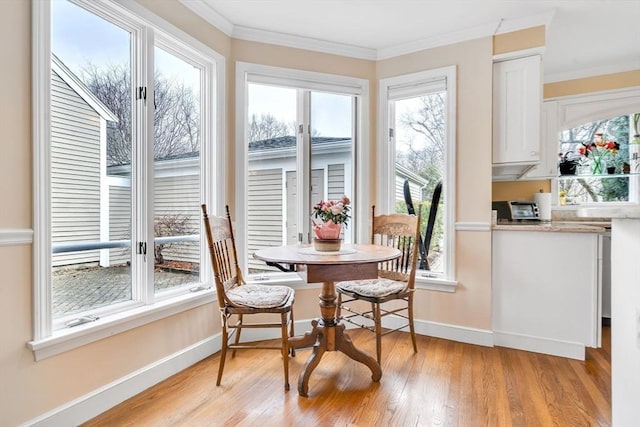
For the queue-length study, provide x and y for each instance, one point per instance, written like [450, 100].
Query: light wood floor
[445, 384]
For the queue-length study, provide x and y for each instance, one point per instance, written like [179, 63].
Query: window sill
[70, 338]
[287, 279]
[291, 279]
[435, 283]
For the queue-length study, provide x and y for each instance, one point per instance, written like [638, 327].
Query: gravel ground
[76, 290]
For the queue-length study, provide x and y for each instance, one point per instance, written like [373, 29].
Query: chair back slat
[400, 231]
[223, 254]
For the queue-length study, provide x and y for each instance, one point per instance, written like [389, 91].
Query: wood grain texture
[445, 384]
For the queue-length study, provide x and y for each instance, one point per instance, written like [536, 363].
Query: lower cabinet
[547, 291]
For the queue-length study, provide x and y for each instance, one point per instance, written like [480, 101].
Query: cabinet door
[517, 99]
[548, 167]
[546, 291]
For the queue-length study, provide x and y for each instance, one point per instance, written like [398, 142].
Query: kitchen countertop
[554, 226]
[626, 211]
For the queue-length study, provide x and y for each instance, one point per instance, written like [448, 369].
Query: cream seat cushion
[376, 288]
[260, 296]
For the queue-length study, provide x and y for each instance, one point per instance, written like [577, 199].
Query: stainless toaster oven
[510, 210]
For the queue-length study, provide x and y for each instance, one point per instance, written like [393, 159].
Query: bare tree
[176, 116]
[266, 126]
[169, 225]
[426, 147]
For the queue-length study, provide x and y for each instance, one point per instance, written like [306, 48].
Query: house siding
[335, 189]
[265, 213]
[416, 189]
[75, 173]
[119, 222]
[180, 195]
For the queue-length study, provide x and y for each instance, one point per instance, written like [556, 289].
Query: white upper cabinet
[517, 100]
[548, 166]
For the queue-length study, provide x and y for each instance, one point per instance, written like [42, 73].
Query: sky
[330, 113]
[80, 37]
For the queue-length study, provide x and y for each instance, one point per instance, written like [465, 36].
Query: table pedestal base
[328, 335]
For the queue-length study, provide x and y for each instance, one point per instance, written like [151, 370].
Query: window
[297, 131]
[122, 164]
[598, 154]
[417, 147]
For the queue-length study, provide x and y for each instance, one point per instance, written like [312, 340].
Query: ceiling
[584, 37]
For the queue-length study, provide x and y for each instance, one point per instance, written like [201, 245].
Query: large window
[297, 143]
[598, 148]
[417, 151]
[122, 162]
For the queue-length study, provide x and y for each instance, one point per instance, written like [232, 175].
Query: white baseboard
[568, 349]
[100, 400]
[106, 397]
[93, 404]
[455, 333]
[446, 331]
[436, 330]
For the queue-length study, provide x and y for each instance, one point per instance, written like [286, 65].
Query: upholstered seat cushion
[260, 296]
[376, 288]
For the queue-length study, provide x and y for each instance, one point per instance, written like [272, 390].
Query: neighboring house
[78, 144]
[272, 166]
[176, 194]
[91, 202]
[416, 184]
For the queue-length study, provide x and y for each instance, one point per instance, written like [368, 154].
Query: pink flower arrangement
[336, 211]
[331, 213]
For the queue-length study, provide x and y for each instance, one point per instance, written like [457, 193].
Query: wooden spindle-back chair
[396, 279]
[237, 299]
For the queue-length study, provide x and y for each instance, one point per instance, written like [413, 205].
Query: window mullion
[41, 89]
[142, 166]
[304, 164]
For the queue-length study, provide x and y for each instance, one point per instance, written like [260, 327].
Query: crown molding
[500, 27]
[299, 42]
[209, 14]
[583, 73]
[206, 11]
[516, 24]
[438, 41]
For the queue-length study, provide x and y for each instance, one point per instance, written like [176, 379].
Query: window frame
[307, 80]
[147, 307]
[574, 110]
[414, 83]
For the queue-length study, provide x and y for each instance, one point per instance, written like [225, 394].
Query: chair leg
[285, 349]
[238, 330]
[223, 350]
[411, 327]
[292, 332]
[378, 325]
[339, 306]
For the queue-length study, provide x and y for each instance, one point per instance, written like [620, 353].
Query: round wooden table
[352, 262]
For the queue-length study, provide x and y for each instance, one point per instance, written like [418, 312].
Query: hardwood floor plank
[445, 384]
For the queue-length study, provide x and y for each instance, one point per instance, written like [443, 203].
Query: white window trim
[48, 342]
[312, 81]
[386, 160]
[574, 110]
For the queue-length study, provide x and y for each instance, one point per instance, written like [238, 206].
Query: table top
[348, 254]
